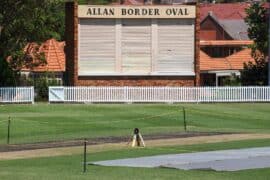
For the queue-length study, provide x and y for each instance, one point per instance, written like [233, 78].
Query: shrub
[41, 85]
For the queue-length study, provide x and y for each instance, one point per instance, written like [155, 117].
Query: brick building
[223, 41]
[218, 33]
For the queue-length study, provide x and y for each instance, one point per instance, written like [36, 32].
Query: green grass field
[44, 122]
[70, 167]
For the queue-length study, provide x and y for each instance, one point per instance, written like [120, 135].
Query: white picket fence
[17, 95]
[159, 94]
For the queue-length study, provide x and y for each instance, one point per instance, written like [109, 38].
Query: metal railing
[17, 95]
[159, 94]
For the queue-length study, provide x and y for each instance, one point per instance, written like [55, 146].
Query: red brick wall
[210, 30]
[73, 79]
[197, 47]
[135, 81]
[208, 34]
[70, 44]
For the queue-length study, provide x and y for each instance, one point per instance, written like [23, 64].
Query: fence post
[33, 94]
[184, 116]
[8, 130]
[126, 94]
[84, 156]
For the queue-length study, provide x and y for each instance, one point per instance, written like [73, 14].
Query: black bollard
[84, 156]
[8, 130]
[184, 116]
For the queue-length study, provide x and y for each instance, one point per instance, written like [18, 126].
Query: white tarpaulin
[225, 160]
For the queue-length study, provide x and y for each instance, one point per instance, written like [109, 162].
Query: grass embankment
[47, 122]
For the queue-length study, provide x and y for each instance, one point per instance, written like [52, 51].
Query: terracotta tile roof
[207, 63]
[233, 62]
[236, 60]
[54, 54]
[227, 11]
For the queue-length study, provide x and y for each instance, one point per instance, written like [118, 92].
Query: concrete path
[224, 160]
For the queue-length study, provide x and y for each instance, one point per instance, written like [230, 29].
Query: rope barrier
[97, 122]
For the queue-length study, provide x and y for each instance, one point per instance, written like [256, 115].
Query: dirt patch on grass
[59, 151]
[101, 140]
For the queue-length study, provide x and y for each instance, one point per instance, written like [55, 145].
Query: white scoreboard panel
[136, 46]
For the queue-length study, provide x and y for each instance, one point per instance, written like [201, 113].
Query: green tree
[257, 20]
[7, 76]
[42, 84]
[255, 73]
[24, 21]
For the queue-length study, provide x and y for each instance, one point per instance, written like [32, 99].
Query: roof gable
[235, 28]
[54, 55]
[216, 22]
